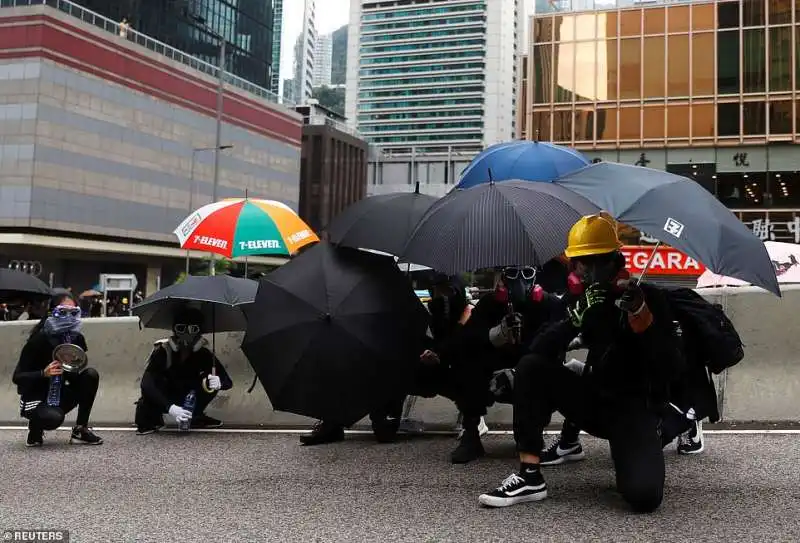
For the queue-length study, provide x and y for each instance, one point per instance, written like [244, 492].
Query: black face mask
[601, 269]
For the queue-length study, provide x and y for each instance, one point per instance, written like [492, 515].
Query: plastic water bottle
[188, 404]
[54, 394]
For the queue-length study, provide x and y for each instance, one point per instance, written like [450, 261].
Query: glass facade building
[246, 25]
[708, 89]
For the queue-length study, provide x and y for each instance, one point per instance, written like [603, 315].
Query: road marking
[290, 431]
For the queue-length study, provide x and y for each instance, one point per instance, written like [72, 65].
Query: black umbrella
[220, 298]
[496, 224]
[382, 222]
[15, 283]
[679, 212]
[334, 331]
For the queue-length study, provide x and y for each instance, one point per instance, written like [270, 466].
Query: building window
[678, 20]
[754, 118]
[728, 62]
[654, 66]
[728, 14]
[753, 13]
[607, 66]
[655, 20]
[562, 126]
[543, 29]
[728, 115]
[780, 59]
[754, 65]
[703, 72]
[585, 66]
[780, 117]
[630, 69]
[678, 121]
[780, 12]
[607, 25]
[797, 53]
[630, 124]
[653, 126]
[607, 123]
[702, 120]
[678, 66]
[703, 17]
[540, 126]
[630, 23]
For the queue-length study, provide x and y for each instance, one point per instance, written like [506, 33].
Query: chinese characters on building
[786, 231]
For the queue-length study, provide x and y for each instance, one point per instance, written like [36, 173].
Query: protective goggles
[187, 328]
[526, 272]
[62, 311]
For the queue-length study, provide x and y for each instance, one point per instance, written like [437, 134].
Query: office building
[304, 54]
[107, 144]
[323, 51]
[333, 165]
[433, 75]
[277, 36]
[708, 90]
[193, 27]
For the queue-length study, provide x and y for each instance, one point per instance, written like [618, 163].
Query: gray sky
[331, 14]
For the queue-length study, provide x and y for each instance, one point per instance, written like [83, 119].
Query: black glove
[502, 384]
[632, 300]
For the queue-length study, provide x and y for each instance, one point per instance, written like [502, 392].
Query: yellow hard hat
[593, 235]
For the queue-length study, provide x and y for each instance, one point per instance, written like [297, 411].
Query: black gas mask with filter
[516, 285]
[187, 329]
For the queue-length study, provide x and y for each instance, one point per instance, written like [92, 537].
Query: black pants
[469, 380]
[544, 386]
[149, 415]
[77, 391]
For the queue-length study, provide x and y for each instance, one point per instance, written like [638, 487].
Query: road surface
[264, 487]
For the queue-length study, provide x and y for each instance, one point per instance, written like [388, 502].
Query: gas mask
[63, 319]
[516, 284]
[186, 335]
[605, 269]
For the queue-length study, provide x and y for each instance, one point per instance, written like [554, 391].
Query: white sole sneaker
[495, 501]
[576, 457]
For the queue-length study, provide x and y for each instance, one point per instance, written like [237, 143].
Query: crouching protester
[47, 391]
[634, 352]
[177, 367]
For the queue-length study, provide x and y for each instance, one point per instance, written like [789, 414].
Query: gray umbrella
[679, 212]
[496, 224]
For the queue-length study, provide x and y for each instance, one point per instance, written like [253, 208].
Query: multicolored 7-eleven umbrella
[245, 227]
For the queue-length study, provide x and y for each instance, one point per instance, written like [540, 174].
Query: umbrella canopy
[334, 331]
[220, 298]
[679, 212]
[245, 227]
[15, 283]
[382, 222]
[496, 224]
[523, 160]
[785, 258]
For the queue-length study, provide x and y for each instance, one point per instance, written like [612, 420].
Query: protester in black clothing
[36, 367]
[177, 366]
[494, 338]
[634, 354]
[449, 309]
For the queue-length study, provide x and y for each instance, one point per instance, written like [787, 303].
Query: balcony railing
[161, 48]
[322, 120]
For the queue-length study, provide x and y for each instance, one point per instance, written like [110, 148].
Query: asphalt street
[233, 487]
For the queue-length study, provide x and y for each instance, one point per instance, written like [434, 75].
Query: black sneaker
[204, 421]
[469, 448]
[516, 489]
[142, 431]
[35, 438]
[559, 453]
[322, 433]
[85, 436]
[691, 442]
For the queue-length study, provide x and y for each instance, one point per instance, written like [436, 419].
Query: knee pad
[49, 418]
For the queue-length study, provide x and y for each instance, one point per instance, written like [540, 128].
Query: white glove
[213, 382]
[179, 413]
[576, 366]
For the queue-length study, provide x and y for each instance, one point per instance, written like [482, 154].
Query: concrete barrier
[763, 387]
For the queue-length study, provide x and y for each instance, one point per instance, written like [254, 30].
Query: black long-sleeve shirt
[36, 355]
[624, 364]
[160, 379]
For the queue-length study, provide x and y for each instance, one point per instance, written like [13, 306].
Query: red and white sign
[667, 261]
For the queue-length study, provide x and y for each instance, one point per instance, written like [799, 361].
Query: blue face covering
[63, 320]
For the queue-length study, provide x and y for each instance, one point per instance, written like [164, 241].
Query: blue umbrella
[521, 160]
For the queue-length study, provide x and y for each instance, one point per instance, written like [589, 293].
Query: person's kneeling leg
[148, 417]
[200, 419]
[82, 390]
[638, 460]
[40, 419]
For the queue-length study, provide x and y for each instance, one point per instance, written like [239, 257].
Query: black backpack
[708, 330]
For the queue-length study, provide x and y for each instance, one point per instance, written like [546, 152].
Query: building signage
[32, 267]
[774, 230]
[667, 261]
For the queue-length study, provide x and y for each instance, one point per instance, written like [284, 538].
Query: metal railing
[322, 120]
[158, 47]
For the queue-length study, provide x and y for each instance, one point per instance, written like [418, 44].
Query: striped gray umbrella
[679, 212]
[496, 224]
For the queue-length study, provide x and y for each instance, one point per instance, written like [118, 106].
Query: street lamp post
[196, 150]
